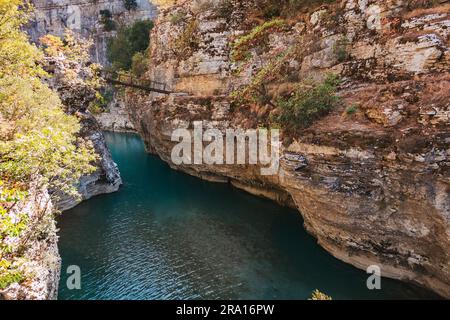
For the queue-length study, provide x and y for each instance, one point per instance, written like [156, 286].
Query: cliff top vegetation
[129, 41]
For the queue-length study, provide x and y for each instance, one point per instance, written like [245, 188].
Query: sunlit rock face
[373, 187]
[83, 17]
[117, 118]
[68, 80]
[106, 178]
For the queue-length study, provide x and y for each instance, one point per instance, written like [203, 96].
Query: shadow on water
[166, 235]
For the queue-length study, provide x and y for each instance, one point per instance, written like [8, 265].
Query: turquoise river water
[167, 235]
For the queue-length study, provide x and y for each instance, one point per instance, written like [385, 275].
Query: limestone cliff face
[116, 119]
[106, 179]
[83, 17]
[69, 81]
[373, 187]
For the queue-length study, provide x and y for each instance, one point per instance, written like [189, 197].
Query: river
[167, 235]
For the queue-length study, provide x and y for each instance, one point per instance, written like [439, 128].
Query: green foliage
[308, 103]
[10, 225]
[187, 41]
[119, 52]
[38, 140]
[317, 295]
[17, 56]
[255, 90]
[98, 105]
[128, 42]
[106, 13]
[340, 49]
[108, 96]
[107, 21]
[241, 46]
[102, 99]
[352, 109]
[138, 35]
[130, 4]
[140, 64]
[178, 17]
[76, 73]
[9, 274]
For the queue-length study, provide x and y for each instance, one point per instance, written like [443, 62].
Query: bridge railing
[129, 79]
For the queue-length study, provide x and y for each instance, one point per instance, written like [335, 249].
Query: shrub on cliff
[128, 42]
[187, 41]
[107, 21]
[242, 45]
[308, 103]
[139, 64]
[130, 4]
[73, 73]
[178, 17]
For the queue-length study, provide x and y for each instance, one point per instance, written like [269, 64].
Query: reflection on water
[166, 235]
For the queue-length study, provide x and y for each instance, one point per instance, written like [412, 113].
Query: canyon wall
[106, 178]
[373, 185]
[74, 81]
[84, 18]
[41, 261]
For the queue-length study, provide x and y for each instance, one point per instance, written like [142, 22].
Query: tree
[138, 35]
[130, 4]
[107, 21]
[38, 140]
[119, 52]
[128, 42]
[139, 64]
